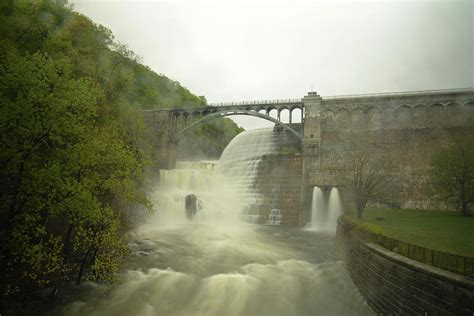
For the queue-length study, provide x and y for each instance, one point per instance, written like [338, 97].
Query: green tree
[73, 147]
[366, 175]
[45, 114]
[452, 174]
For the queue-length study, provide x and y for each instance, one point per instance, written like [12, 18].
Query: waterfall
[238, 183]
[324, 213]
[334, 209]
[318, 210]
[241, 162]
[215, 197]
[275, 217]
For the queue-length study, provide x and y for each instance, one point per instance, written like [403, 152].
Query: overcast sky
[230, 50]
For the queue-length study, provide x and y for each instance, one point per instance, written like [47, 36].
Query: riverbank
[442, 231]
[441, 239]
[393, 284]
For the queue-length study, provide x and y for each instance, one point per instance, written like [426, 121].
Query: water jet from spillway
[324, 213]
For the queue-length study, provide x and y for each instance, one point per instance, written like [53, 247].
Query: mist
[252, 50]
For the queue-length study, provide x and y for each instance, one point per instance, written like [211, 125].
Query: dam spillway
[264, 167]
[217, 264]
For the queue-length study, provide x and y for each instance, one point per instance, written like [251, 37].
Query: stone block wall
[395, 285]
[279, 181]
[405, 129]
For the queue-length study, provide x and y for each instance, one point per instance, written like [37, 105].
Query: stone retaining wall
[396, 285]
[404, 130]
[279, 181]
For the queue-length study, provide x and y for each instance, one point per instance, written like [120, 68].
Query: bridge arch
[212, 116]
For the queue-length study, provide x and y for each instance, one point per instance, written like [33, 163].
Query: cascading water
[334, 209]
[324, 213]
[275, 217]
[318, 210]
[241, 162]
[214, 195]
[216, 264]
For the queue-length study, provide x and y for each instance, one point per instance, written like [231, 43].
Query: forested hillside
[72, 151]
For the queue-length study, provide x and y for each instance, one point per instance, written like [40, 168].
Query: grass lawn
[443, 231]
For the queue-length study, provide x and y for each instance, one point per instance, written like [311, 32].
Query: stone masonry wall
[395, 285]
[405, 129]
[279, 181]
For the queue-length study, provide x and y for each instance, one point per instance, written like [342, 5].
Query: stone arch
[296, 106]
[297, 114]
[284, 114]
[357, 118]
[454, 115]
[388, 118]
[272, 112]
[403, 117]
[419, 119]
[374, 118]
[327, 117]
[268, 109]
[341, 119]
[435, 115]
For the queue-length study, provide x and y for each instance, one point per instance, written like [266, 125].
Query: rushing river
[217, 263]
[200, 269]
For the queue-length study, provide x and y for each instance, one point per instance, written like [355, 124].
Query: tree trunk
[81, 270]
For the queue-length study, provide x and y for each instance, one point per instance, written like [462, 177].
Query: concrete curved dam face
[217, 264]
[264, 167]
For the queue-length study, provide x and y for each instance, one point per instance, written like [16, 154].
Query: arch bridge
[186, 119]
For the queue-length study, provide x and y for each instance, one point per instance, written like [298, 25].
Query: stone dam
[405, 129]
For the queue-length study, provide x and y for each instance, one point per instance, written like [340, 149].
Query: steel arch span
[212, 116]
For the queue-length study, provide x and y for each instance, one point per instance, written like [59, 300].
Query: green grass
[443, 231]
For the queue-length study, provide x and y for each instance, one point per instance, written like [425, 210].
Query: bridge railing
[397, 94]
[263, 102]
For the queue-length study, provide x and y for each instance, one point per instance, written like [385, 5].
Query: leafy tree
[452, 174]
[45, 114]
[365, 175]
[73, 151]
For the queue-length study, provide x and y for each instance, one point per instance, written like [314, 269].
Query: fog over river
[207, 269]
[218, 264]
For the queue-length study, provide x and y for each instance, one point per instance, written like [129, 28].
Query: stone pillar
[311, 151]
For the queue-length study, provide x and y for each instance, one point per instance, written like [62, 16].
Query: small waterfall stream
[324, 213]
[216, 196]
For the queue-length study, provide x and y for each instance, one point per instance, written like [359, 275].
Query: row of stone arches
[400, 117]
[290, 113]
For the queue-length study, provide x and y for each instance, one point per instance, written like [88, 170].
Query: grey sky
[251, 50]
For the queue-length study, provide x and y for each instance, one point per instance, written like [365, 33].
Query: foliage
[208, 140]
[72, 147]
[452, 174]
